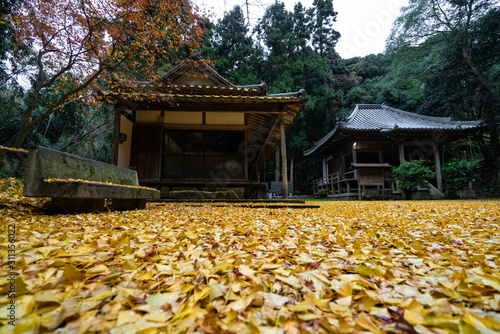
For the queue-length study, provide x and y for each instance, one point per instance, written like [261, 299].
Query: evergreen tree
[276, 31]
[292, 64]
[302, 18]
[324, 37]
[231, 48]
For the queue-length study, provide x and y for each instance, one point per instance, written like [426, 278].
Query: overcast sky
[363, 24]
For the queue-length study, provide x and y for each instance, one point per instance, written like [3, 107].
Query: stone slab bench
[78, 184]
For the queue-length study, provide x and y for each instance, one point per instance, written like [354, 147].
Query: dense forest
[442, 59]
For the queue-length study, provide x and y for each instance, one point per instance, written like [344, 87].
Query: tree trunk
[291, 166]
[492, 160]
[27, 121]
[21, 135]
[485, 83]
[492, 156]
[489, 117]
[488, 98]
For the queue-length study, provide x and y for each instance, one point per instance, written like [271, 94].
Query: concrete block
[46, 163]
[13, 163]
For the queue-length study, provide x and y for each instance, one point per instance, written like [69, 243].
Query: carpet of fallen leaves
[348, 267]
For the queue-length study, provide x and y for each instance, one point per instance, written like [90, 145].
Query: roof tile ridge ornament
[262, 86]
[467, 124]
[353, 112]
[370, 106]
[299, 94]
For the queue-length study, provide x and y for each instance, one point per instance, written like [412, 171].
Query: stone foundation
[194, 194]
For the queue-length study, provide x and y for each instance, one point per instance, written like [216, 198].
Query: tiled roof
[381, 117]
[196, 61]
[260, 88]
[387, 120]
[300, 96]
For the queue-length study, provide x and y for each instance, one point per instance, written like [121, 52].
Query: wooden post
[401, 153]
[246, 156]
[257, 171]
[283, 159]
[263, 170]
[355, 160]
[437, 161]
[277, 164]
[116, 137]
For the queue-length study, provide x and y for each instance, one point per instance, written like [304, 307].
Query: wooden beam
[252, 107]
[284, 173]
[271, 131]
[198, 127]
[128, 115]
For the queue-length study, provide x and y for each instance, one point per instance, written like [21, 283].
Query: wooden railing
[327, 183]
[348, 185]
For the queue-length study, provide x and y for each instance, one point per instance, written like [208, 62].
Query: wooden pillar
[437, 161]
[277, 164]
[246, 155]
[344, 168]
[401, 153]
[355, 160]
[257, 171]
[263, 170]
[283, 159]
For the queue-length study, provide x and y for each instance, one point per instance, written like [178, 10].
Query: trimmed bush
[410, 175]
[458, 173]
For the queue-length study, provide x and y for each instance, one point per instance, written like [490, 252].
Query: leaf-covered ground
[348, 267]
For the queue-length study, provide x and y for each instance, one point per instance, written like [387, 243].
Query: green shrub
[412, 174]
[457, 173]
[322, 194]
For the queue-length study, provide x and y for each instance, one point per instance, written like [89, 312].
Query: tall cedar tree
[292, 64]
[232, 51]
[324, 35]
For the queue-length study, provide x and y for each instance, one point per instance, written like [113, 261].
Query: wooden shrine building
[358, 153]
[193, 129]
